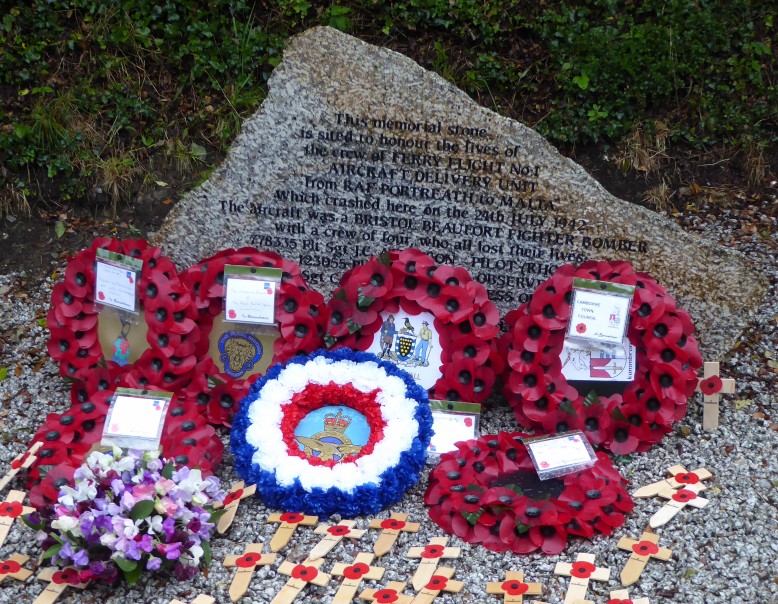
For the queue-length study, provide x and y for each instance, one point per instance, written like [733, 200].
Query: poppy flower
[232, 497]
[684, 495]
[339, 530]
[667, 380]
[385, 595]
[69, 576]
[356, 571]
[304, 573]
[711, 385]
[9, 567]
[530, 335]
[485, 320]
[686, 478]
[374, 279]
[455, 304]
[393, 524]
[292, 518]
[550, 308]
[432, 551]
[551, 539]
[582, 569]
[647, 307]
[437, 583]
[46, 492]
[645, 548]
[513, 587]
[249, 560]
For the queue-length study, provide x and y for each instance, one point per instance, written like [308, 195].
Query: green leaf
[363, 301]
[167, 472]
[198, 151]
[567, 407]
[126, 565]
[329, 340]
[132, 576]
[521, 528]
[207, 555]
[142, 509]
[35, 527]
[352, 327]
[618, 415]
[41, 322]
[3, 373]
[341, 295]
[59, 229]
[515, 488]
[385, 259]
[472, 518]
[582, 81]
[52, 551]
[592, 399]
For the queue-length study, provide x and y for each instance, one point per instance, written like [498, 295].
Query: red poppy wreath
[666, 352]
[433, 321]
[488, 492]
[168, 311]
[69, 436]
[298, 313]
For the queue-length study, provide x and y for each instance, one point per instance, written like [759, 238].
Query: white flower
[196, 552]
[155, 524]
[84, 491]
[66, 524]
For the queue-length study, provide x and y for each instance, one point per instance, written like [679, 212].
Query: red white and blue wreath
[666, 374]
[393, 303]
[335, 432]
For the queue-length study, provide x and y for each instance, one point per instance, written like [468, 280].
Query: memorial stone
[357, 149]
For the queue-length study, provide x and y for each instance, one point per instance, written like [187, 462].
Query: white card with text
[250, 301]
[136, 420]
[599, 316]
[116, 286]
[560, 454]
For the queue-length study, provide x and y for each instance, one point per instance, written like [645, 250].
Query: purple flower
[171, 551]
[117, 486]
[169, 526]
[153, 563]
[184, 572]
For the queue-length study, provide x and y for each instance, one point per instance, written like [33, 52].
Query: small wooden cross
[201, 599]
[677, 500]
[582, 571]
[289, 523]
[231, 503]
[12, 567]
[440, 581]
[391, 529]
[300, 576]
[332, 536]
[10, 510]
[354, 574]
[642, 552]
[59, 581]
[391, 593]
[514, 588]
[430, 555]
[679, 478]
[246, 564]
[712, 387]
[21, 461]
[622, 595]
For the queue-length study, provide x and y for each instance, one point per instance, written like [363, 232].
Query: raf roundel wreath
[335, 432]
[667, 363]
[487, 492]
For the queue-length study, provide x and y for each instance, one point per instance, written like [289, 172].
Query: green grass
[104, 96]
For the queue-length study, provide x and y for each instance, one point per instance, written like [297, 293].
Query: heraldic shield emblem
[239, 352]
[404, 345]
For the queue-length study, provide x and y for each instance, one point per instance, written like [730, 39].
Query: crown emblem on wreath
[337, 421]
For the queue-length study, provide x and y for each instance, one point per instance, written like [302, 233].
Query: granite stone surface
[357, 149]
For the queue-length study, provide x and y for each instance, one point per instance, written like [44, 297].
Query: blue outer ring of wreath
[367, 498]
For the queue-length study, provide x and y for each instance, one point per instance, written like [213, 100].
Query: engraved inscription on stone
[357, 150]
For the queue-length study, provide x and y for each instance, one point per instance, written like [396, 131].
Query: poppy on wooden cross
[10, 510]
[12, 567]
[679, 477]
[642, 552]
[712, 387]
[332, 536]
[440, 581]
[21, 462]
[289, 522]
[353, 575]
[246, 564]
[581, 572]
[621, 596]
[390, 529]
[391, 594]
[430, 555]
[514, 588]
[300, 575]
[676, 501]
[59, 580]
[231, 502]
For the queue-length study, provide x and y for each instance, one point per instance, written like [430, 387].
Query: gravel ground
[724, 553]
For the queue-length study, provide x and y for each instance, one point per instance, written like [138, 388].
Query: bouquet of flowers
[130, 513]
